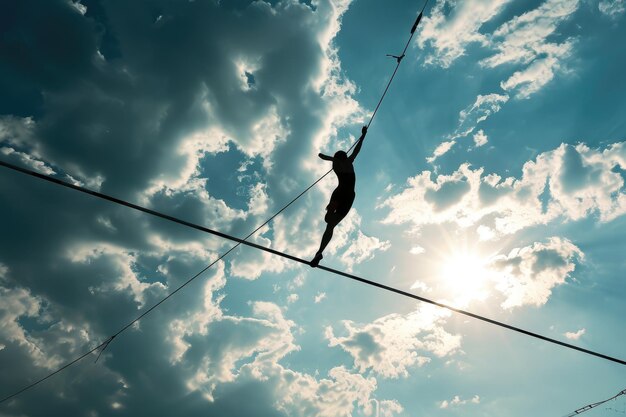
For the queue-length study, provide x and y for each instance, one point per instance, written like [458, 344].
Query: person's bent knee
[332, 220]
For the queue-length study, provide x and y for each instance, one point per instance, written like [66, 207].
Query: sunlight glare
[465, 276]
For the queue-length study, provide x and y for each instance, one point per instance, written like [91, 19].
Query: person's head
[341, 155]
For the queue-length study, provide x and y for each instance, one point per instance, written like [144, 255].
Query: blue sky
[492, 178]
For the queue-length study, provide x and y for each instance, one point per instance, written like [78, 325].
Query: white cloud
[297, 282]
[537, 75]
[526, 276]
[251, 263]
[19, 303]
[361, 249]
[420, 285]
[259, 200]
[29, 161]
[524, 40]
[480, 138]
[441, 149]
[417, 250]
[484, 106]
[41, 346]
[485, 233]
[456, 401]
[292, 298]
[266, 336]
[340, 395]
[568, 183]
[81, 8]
[20, 135]
[384, 408]
[612, 8]
[121, 265]
[319, 297]
[449, 34]
[246, 349]
[392, 344]
[575, 335]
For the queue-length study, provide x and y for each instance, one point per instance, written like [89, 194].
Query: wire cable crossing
[302, 261]
[102, 347]
[274, 252]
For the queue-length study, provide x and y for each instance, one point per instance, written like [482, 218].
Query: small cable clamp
[104, 346]
[398, 58]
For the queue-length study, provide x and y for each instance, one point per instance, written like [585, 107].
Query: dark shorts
[339, 206]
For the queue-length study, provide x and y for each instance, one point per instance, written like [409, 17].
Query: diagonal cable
[302, 261]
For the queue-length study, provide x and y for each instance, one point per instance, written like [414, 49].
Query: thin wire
[594, 405]
[305, 262]
[106, 343]
[67, 365]
[406, 46]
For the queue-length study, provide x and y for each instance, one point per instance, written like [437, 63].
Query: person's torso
[345, 173]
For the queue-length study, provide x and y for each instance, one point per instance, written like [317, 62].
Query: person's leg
[331, 222]
[327, 236]
[337, 209]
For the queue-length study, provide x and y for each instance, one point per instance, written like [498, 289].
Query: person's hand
[364, 130]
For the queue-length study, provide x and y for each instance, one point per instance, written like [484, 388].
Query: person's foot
[316, 260]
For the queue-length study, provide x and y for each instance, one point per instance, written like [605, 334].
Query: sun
[464, 276]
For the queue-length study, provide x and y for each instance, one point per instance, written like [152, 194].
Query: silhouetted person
[343, 196]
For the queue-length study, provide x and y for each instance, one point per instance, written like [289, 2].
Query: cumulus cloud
[480, 138]
[18, 303]
[456, 401]
[526, 276]
[121, 264]
[231, 349]
[417, 250]
[319, 297]
[575, 335]
[568, 183]
[362, 248]
[392, 344]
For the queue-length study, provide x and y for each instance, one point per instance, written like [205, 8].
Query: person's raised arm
[325, 157]
[357, 148]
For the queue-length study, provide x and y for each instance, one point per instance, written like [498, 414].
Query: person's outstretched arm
[357, 148]
[325, 157]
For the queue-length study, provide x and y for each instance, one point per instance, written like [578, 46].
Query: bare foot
[316, 260]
